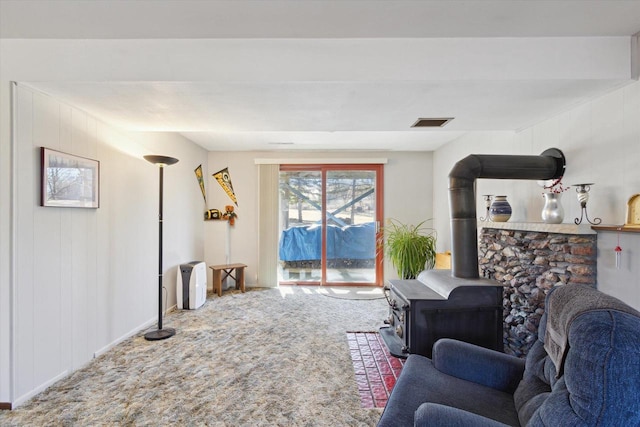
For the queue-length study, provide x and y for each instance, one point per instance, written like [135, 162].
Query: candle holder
[583, 198]
[487, 201]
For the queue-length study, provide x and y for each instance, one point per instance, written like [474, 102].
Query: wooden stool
[228, 270]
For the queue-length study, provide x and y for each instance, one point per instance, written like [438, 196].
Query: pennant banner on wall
[200, 179]
[224, 180]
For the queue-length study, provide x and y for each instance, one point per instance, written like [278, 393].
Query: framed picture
[69, 181]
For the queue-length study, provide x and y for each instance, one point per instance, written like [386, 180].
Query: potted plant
[410, 248]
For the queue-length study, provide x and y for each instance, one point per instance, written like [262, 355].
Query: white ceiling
[283, 75]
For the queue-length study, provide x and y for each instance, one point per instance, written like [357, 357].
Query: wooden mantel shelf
[539, 227]
[617, 228]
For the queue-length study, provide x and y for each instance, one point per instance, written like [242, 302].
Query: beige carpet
[351, 292]
[276, 357]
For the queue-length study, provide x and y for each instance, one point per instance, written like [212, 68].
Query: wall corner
[635, 56]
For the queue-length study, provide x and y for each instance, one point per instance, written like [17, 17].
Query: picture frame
[69, 181]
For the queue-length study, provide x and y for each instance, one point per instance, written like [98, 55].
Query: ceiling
[329, 75]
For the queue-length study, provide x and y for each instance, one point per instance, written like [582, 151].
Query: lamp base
[159, 334]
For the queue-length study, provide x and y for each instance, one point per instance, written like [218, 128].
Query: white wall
[621, 281]
[85, 279]
[601, 142]
[407, 197]
[5, 240]
[183, 209]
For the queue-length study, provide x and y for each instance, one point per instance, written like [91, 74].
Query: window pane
[300, 248]
[351, 226]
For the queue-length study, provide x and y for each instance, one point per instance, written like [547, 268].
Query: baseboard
[30, 394]
[129, 334]
[25, 397]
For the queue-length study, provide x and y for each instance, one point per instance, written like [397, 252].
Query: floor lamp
[160, 334]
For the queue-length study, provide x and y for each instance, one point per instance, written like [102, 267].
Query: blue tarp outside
[349, 242]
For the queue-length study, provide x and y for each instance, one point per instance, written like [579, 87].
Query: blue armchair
[584, 370]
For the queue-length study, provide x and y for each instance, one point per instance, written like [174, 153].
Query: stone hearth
[528, 262]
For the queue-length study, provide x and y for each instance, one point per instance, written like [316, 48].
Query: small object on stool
[228, 271]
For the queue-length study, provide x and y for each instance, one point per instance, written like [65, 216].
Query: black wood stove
[457, 303]
[437, 305]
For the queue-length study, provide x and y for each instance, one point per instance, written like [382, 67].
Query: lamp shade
[161, 160]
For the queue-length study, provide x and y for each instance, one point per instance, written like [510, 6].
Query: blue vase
[500, 210]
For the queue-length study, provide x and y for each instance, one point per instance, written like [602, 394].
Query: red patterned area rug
[376, 370]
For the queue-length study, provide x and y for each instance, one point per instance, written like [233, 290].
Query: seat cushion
[539, 377]
[421, 382]
[432, 414]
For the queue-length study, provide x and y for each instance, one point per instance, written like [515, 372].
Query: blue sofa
[584, 370]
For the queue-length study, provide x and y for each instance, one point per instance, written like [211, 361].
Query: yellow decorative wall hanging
[224, 179]
[200, 178]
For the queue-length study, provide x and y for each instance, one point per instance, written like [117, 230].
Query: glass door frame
[379, 217]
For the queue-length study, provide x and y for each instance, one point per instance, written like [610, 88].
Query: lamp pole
[160, 333]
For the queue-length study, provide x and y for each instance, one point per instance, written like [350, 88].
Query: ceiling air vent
[431, 123]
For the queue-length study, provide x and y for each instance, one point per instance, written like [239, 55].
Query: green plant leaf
[410, 248]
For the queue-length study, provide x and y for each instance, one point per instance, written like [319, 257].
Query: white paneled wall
[623, 280]
[87, 278]
[6, 233]
[601, 141]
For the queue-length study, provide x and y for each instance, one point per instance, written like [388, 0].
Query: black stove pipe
[462, 200]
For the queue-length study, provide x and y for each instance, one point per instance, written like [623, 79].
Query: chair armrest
[433, 414]
[478, 364]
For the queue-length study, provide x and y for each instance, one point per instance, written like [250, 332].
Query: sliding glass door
[329, 223]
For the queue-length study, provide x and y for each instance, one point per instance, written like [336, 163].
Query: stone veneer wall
[529, 264]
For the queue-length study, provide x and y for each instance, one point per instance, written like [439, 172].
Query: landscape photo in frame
[69, 181]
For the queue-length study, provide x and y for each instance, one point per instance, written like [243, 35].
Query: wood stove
[457, 303]
[438, 306]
